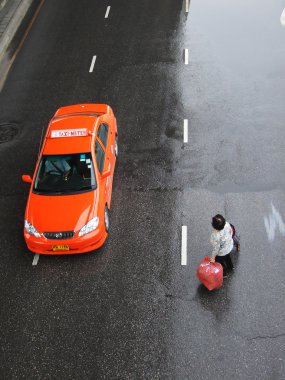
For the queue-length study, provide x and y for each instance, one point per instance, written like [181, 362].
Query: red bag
[210, 274]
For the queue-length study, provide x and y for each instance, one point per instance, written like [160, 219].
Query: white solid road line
[107, 11]
[184, 246]
[186, 130]
[186, 56]
[36, 259]
[2, 5]
[282, 18]
[92, 64]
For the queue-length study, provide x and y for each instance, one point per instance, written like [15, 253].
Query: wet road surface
[130, 310]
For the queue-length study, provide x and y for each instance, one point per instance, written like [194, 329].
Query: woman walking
[223, 242]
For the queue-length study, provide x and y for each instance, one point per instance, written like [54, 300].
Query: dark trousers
[226, 262]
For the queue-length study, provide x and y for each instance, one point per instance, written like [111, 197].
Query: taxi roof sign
[69, 133]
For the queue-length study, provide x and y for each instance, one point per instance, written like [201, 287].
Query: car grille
[59, 235]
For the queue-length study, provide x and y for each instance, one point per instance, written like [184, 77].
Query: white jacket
[222, 241]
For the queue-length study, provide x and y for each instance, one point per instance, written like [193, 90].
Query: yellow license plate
[62, 247]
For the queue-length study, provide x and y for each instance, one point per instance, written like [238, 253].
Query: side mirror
[27, 178]
[106, 174]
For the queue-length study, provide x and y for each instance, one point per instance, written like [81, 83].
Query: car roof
[70, 124]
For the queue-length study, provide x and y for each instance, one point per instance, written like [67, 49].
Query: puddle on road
[233, 94]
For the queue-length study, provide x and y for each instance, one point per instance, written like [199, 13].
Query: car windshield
[65, 174]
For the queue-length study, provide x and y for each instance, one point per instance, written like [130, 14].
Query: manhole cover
[7, 132]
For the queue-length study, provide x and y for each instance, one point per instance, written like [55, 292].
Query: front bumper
[82, 244]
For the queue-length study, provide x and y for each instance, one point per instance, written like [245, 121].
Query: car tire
[116, 147]
[107, 219]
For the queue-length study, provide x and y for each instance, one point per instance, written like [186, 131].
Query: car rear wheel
[116, 147]
[107, 219]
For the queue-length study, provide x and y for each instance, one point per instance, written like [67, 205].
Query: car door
[104, 141]
[107, 137]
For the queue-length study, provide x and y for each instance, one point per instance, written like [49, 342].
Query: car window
[65, 174]
[103, 133]
[100, 156]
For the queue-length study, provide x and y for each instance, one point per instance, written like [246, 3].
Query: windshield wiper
[73, 190]
[63, 191]
[85, 187]
[48, 192]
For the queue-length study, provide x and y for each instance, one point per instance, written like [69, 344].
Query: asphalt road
[130, 310]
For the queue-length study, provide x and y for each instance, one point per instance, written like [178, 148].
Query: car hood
[61, 213]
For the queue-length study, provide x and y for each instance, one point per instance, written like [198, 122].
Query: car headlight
[31, 229]
[90, 226]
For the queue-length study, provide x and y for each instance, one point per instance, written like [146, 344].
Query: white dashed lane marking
[282, 18]
[185, 130]
[186, 56]
[184, 246]
[92, 64]
[36, 259]
[187, 5]
[107, 11]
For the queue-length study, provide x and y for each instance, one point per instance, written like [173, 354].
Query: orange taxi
[69, 201]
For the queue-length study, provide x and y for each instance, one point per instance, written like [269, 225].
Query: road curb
[14, 33]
